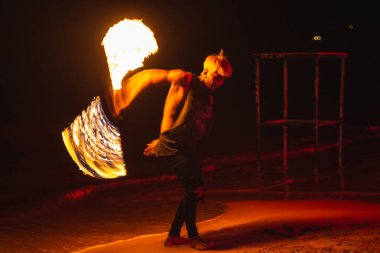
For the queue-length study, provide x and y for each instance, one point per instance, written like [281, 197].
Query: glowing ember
[127, 44]
[94, 143]
[92, 140]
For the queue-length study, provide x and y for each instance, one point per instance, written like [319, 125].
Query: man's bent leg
[175, 229]
[190, 213]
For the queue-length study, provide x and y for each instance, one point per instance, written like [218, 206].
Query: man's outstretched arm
[134, 85]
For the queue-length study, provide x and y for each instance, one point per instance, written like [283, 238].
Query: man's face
[216, 80]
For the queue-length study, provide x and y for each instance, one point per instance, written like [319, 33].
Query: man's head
[216, 68]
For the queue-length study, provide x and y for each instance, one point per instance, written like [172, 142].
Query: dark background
[53, 64]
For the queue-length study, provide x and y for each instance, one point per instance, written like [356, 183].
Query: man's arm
[134, 85]
[174, 100]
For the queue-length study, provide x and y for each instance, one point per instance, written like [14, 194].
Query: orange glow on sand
[269, 226]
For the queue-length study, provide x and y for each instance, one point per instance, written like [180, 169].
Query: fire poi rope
[91, 139]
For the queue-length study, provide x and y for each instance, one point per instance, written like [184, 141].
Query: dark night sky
[53, 54]
[53, 63]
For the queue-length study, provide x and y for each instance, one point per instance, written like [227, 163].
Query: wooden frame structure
[316, 122]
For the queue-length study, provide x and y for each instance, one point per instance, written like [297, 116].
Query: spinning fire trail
[91, 139]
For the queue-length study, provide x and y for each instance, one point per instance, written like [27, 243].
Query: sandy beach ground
[276, 226]
[247, 209]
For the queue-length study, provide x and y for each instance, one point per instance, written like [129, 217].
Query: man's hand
[148, 151]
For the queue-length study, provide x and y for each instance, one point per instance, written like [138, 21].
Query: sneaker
[200, 244]
[175, 241]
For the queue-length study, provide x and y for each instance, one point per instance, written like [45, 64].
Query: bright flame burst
[126, 45]
[91, 139]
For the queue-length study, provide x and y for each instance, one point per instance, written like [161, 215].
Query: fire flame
[91, 139]
[126, 45]
[94, 143]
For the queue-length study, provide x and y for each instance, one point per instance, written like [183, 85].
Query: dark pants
[188, 171]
